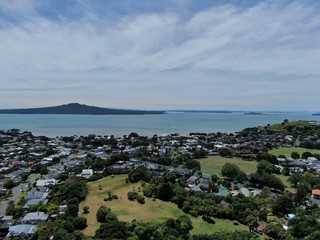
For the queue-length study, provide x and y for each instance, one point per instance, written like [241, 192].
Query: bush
[132, 196]
[86, 210]
[80, 223]
[140, 199]
[102, 213]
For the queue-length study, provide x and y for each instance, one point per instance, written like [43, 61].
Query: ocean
[119, 125]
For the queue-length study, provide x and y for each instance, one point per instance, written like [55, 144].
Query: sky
[164, 54]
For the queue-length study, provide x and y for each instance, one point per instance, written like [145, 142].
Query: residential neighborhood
[32, 167]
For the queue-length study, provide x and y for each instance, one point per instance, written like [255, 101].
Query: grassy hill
[284, 127]
[287, 151]
[214, 164]
[151, 211]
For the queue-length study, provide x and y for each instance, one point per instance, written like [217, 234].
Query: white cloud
[223, 57]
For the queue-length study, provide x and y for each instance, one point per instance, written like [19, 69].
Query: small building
[5, 223]
[86, 173]
[245, 191]
[191, 181]
[35, 202]
[46, 183]
[35, 218]
[21, 231]
[34, 194]
[316, 196]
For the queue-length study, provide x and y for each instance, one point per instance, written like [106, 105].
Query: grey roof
[35, 216]
[34, 195]
[22, 229]
[35, 202]
[196, 188]
[6, 218]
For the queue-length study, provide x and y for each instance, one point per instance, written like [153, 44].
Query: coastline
[148, 125]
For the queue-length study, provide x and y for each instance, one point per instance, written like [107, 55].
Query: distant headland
[76, 108]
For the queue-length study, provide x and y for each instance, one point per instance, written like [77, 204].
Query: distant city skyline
[162, 55]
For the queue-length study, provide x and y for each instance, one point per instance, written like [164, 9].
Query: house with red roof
[316, 196]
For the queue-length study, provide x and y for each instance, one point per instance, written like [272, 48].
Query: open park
[152, 210]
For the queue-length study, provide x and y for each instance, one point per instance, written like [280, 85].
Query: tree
[264, 167]
[192, 164]
[44, 233]
[8, 184]
[199, 153]
[139, 173]
[295, 155]
[86, 210]
[230, 170]
[102, 213]
[274, 230]
[303, 189]
[140, 199]
[112, 230]
[165, 191]
[305, 155]
[295, 178]
[283, 205]
[72, 210]
[214, 178]
[252, 222]
[79, 223]
[183, 224]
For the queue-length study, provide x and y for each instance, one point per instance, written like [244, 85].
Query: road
[16, 193]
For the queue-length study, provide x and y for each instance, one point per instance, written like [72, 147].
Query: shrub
[140, 199]
[132, 196]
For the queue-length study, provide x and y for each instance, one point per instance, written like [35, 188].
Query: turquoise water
[119, 125]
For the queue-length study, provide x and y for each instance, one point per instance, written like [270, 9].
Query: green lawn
[214, 164]
[287, 151]
[153, 211]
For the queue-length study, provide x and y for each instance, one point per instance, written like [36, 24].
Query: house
[196, 188]
[191, 181]
[46, 183]
[316, 196]
[245, 191]
[35, 202]
[62, 209]
[35, 218]
[179, 171]
[86, 173]
[21, 231]
[205, 181]
[34, 195]
[5, 223]
[223, 191]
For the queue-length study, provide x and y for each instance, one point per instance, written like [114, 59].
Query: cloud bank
[165, 56]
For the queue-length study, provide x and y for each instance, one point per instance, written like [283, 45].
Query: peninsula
[76, 108]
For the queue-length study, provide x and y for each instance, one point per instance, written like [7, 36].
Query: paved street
[16, 193]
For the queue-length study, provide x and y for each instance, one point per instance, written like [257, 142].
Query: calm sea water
[119, 125]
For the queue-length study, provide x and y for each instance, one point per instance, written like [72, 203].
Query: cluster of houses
[27, 225]
[20, 151]
[298, 165]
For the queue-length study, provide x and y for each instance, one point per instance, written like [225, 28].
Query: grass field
[287, 151]
[151, 211]
[214, 164]
[283, 127]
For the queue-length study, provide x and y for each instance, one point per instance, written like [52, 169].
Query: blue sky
[171, 54]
